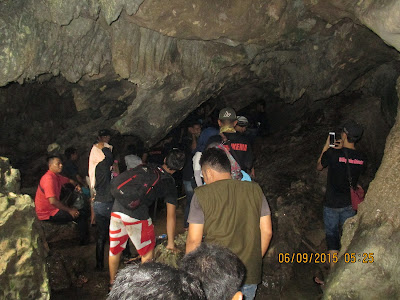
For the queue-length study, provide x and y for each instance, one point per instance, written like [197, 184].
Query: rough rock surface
[132, 60]
[373, 235]
[286, 169]
[23, 272]
[9, 177]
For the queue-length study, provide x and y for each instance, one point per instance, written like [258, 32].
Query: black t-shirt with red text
[240, 149]
[338, 188]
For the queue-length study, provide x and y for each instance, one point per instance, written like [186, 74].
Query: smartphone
[332, 139]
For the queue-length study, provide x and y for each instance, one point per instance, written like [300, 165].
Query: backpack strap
[40, 187]
[126, 181]
[156, 181]
[348, 168]
[231, 151]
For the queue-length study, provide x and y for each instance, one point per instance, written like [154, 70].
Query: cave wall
[375, 230]
[132, 60]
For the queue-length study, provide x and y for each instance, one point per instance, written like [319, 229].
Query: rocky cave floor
[300, 286]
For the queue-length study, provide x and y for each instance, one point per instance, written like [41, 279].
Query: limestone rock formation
[9, 177]
[132, 60]
[23, 272]
[369, 258]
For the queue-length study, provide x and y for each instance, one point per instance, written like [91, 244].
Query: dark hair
[69, 151]
[215, 159]
[351, 139]
[226, 122]
[131, 149]
[175, 159]
[153, 280]
[104, 132]
[192, 123]
[50, 158]
[220, 271]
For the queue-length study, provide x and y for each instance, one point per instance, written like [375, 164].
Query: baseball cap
[242, 121]
[104, 132]
[227, 113]
[353, 129]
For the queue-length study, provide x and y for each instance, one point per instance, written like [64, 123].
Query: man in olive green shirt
[231, 213]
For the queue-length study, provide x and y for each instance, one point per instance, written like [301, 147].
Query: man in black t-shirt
[70, 169]
[237, 144]
[137, 225]
[337, 202]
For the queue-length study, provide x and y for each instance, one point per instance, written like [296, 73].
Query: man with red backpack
[135, 191]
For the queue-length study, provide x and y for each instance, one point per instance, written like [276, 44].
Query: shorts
[141, 233]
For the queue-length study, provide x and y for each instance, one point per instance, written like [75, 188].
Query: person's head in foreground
[155, 281]
[220, 271]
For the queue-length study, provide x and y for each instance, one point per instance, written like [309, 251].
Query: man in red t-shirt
[47, 200]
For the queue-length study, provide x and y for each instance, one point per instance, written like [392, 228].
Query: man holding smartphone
[337, 201]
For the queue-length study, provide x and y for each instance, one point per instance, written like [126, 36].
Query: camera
[332, 139]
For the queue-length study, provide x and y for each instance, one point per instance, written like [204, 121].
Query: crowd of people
[227, 215]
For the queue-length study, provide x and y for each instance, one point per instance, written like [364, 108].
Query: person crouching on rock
[47, 200]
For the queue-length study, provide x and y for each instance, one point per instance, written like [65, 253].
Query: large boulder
[23, 272]
[23, 250]
[369, 258]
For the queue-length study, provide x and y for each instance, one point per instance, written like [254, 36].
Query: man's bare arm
[57, 203]
[171, 224]
[195, 235]
[320, 167]
[266, 233]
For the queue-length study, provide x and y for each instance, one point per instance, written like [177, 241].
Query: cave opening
[296, 70]
[286, 152]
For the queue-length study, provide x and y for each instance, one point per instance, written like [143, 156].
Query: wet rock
[23, 273]
[9, 177]
[65, 271]
[59, 232]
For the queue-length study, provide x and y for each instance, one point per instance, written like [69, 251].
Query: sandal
[318, 281]
[132, 260]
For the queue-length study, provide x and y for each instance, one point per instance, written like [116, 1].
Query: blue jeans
[189, 195]
[102, 211]
[334, 219]
[249, 291]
